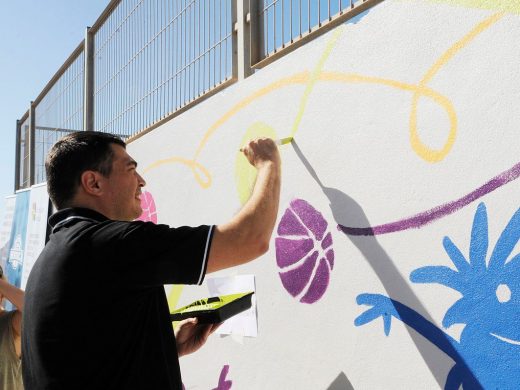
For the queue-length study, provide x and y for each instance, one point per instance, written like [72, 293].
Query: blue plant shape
[488, 353]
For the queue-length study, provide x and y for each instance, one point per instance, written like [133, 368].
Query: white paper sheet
[245, 323]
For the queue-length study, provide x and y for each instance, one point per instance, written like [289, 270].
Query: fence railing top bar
[24, 117]
[182, 109]
[104, 16]
[322, 27]
[75, 54]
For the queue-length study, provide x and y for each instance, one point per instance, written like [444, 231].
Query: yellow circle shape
[245, 173]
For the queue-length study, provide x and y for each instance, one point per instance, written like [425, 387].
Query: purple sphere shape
[304, 253]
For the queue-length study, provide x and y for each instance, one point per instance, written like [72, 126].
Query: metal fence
[145, 61]
[281, 26]
[153, 58]
[22, 174]
[59, 110]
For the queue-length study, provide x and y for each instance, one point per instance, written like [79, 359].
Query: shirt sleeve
[150, 254]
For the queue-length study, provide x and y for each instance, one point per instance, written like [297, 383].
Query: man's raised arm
[247, 235]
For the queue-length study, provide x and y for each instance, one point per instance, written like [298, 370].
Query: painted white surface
[356, 137]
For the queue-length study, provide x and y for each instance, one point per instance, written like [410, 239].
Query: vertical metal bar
[97, 83]
[183, 56]
[194, 50]
[308, 16]
[319, 13]
[156, 68]
[186, 52]
[133, 76]
[244, 39]
[151, 65]
[166, 60]
[214, 42]
[290, 21]
[207, 86]
[265, 13]
[149, 72]
[126, 57]
[274, 26]
[169, 55]
[32, 129]
[228, 34]
[179, 54]
[283, 26]
[158, 63]
[199, 59]
[234, 39]
[17, 156]
[109, 103]
[138, 71]
[179, 70]
[257, 33]
[300, 19]
[117, 74]
[190, 48]
[220, 42]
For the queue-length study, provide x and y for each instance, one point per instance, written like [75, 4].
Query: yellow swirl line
[314, 78]
[420, 90]
[424, 151]
[194, 166]
[295, 79]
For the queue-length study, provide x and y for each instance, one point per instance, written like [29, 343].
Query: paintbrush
[283, 141]
[280, 141]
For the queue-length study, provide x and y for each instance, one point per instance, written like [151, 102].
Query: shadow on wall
[344, 208]
[341, 383]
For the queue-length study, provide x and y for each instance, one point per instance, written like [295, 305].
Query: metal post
[88, 97]
[31, 142]
[256, 33]
[17, 156]
[242, 28]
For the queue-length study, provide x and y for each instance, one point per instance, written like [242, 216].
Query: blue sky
[36, 37]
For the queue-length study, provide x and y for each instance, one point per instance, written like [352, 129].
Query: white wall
[350, 99]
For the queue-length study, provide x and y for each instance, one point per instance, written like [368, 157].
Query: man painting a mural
[96, 310]
[10, 339]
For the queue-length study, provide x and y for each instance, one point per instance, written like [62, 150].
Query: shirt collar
[62, 217]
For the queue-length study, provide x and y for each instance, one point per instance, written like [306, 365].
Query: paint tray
[214, 309]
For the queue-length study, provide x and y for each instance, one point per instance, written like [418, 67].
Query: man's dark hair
[71, 156]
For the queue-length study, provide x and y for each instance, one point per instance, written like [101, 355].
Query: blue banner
[16, 246]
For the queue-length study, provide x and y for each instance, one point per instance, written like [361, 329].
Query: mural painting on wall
[149, 213]
[310, 78]
[488, 352]
[223, 383]
[436, 212]
[512, 6]
[304, 252]
[245, 173]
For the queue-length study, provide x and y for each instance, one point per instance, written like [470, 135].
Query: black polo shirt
[96, 314]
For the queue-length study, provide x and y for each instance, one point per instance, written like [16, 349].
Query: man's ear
[92, 183]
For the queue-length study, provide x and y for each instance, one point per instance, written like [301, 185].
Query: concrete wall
[403, 178]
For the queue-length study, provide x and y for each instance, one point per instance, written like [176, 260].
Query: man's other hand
[190, 335]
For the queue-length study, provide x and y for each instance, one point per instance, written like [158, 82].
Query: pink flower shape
[149, 213]
[304, 252]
